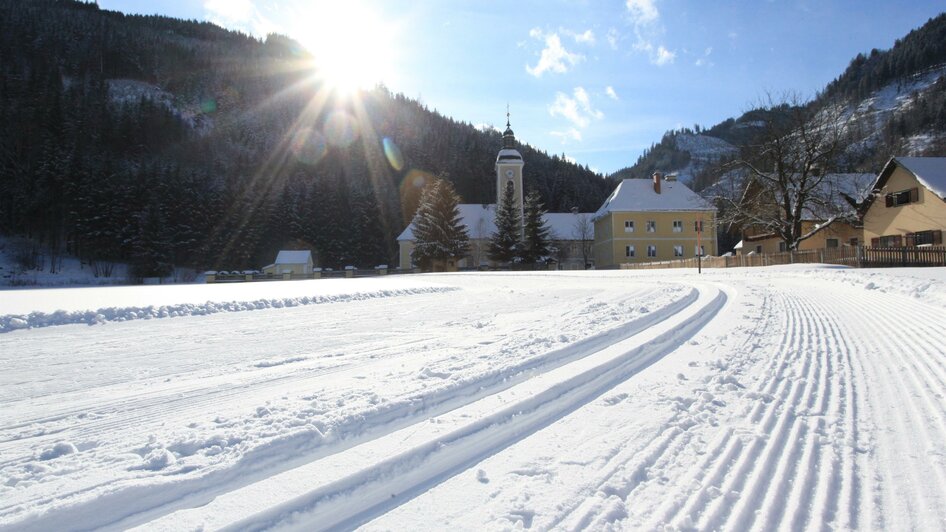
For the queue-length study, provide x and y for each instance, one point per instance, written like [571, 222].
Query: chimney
[657, 177]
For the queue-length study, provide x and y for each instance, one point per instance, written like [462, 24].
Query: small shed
[294, 261]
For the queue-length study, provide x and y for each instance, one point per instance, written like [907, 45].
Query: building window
[895, 199]
[924, 238]
[782, 247]
[678, 226]
[701, 251]
[677, 251]
[698, 226]
[651, 251]
[629, 252]
[758, 249]
[651, 226]
[891, 241]
[853, 241]
[831, 243]
[629, 226]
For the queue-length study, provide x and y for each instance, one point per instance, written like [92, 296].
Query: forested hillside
[165, 142]
[894, 101]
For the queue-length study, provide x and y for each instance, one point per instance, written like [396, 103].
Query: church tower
[509, 167]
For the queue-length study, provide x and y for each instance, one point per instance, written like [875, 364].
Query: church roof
[508, 154]
[480, 222]
[638, 195]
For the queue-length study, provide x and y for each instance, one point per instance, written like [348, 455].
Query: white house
[294, 261]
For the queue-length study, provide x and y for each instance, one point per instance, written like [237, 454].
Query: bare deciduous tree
[584, 233]
[790, 172]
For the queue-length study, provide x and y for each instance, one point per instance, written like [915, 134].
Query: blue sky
[598, 81]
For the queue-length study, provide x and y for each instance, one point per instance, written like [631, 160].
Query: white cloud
[643, 11]
[588, 37]
[567, 135]
[663, 56]
[577, 109]
[613, 37]
[645, 17]
[554, 58]
[609, 90]
[570, 159]
[703, 61]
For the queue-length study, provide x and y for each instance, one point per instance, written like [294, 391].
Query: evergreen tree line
[164, 142]
[921, 49]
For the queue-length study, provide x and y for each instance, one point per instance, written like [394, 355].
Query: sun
[352, 46]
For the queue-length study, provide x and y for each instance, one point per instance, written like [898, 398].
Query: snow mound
[60, 449]
[12, 322]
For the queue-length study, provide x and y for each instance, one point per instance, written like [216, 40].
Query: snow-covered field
[779, 398]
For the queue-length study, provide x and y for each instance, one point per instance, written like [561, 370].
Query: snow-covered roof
[929, 171]
[508, 154]
[293, 256]
[563, 225]
[480, 222]
[638, 195]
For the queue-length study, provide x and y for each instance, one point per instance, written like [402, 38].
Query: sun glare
[352, 45]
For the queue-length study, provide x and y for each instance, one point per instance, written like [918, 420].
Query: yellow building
[647, 220]
[836, 235]
[908, 204]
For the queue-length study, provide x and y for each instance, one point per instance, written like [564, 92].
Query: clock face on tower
[509, 173]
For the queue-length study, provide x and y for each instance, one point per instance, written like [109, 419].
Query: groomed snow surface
[769, 398]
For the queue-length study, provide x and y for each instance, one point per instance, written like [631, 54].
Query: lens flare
[308, 145]
[208, 105]
[341, 129]
[393, 154]
[416, 179]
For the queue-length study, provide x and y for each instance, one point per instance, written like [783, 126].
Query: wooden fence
[856, 257]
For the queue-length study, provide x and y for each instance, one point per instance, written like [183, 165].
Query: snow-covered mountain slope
[705, 151]
[762, 398]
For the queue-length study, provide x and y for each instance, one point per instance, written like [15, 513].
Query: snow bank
[12, 322]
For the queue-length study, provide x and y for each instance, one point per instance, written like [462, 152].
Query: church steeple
[509, 165]
[509, 138]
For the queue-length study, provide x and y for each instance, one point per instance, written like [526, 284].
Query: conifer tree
[438, 232]
[505, 245]
[535, 233]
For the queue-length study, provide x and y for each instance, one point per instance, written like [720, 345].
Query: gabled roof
[929, 171]
[480, 222]
[638, 195]
[293, 256]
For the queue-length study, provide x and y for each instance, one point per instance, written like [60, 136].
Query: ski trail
[433, 456]
[141, 503]
[908, 455]
[782, 457]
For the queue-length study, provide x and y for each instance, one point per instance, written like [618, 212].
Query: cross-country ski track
[787, 398]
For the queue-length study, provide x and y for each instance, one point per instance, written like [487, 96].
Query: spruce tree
[535, 234]
[505, 244]
[438, 231]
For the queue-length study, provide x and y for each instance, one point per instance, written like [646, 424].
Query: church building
[572, 234]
